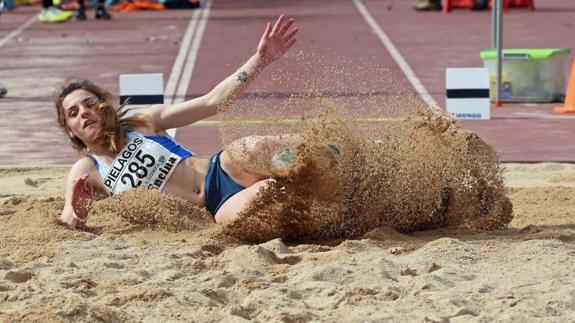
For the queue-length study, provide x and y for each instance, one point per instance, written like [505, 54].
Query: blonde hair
[112, 115]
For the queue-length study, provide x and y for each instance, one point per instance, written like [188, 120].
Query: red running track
[34, 61]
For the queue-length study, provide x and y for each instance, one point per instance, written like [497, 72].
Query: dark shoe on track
[101, 13]
[81, 15]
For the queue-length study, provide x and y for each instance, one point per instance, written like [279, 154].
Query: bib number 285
[138, 169]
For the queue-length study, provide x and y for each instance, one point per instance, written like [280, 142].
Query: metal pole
[493, 24]
[499, 26]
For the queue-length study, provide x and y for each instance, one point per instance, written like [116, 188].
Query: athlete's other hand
[277, 40]
[82, 194]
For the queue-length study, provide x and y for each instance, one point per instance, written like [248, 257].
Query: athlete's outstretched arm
[274, 43]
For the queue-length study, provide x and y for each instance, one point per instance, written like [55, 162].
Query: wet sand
[121, 271]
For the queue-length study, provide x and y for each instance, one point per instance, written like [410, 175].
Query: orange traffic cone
[569, 106]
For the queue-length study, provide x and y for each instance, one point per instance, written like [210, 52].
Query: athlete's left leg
[237, 203]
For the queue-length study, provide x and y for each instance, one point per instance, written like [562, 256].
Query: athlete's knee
[247, 144]
[264, 182]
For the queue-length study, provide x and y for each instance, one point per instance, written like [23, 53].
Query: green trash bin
[529, 75]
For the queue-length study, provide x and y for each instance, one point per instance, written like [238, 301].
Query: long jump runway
[195, 49]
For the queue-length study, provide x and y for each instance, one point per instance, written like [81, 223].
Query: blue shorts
[219, 186]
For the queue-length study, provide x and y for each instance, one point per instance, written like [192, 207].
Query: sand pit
[413, 222]
[121, 271]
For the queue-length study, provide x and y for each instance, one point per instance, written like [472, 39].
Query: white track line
[179, 62]
[386, 41]
[190, 62]
[192, 56]
[18, 31]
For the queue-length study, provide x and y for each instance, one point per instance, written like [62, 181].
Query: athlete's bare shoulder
[84, 164]
[147, 127]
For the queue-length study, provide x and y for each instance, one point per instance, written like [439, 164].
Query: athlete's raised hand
[277, 39]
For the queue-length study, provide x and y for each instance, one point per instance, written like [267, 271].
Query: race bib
[142, 162]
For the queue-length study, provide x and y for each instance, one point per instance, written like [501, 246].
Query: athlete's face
[81, 116]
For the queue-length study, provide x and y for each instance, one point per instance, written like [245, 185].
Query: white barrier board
[467, 95]
[142, 89]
